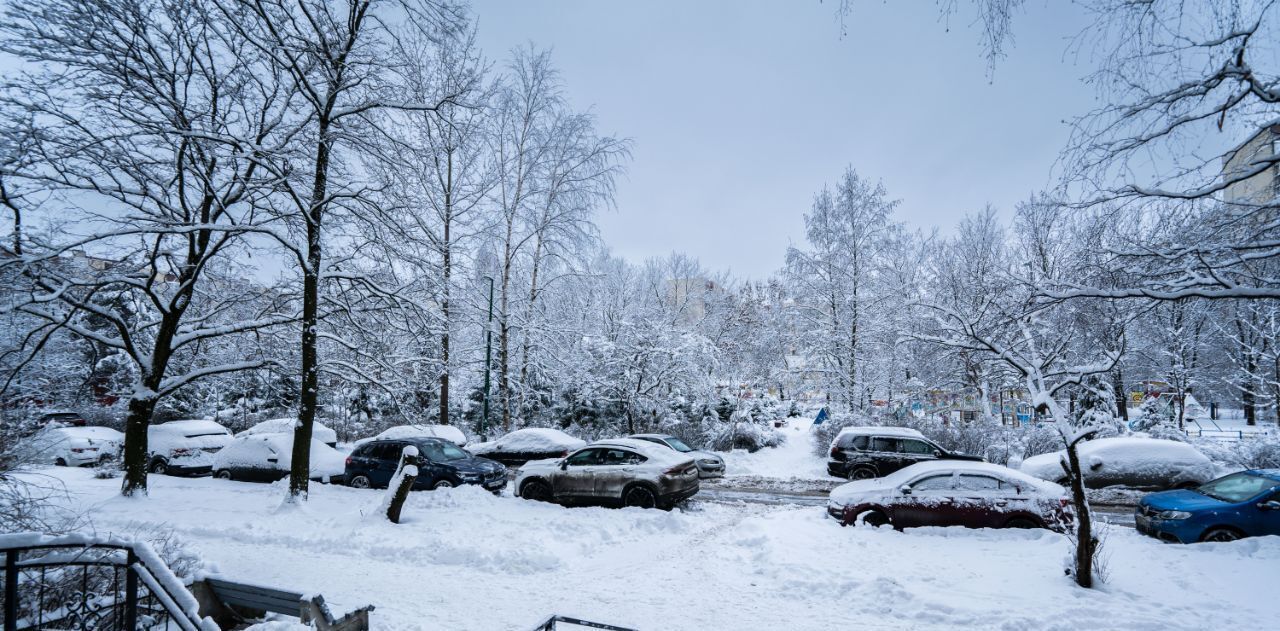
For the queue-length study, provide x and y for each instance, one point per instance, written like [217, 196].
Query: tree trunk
[1085, 542]
[529, 311]
[1122, 397]
[447, 273]
[300, 471]
[135, 445]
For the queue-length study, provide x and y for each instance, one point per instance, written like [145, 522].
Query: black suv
[861, 453]
[440, 464]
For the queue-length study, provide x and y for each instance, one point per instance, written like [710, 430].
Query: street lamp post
[488, 351]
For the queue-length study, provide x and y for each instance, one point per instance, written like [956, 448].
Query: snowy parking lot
[465, 559]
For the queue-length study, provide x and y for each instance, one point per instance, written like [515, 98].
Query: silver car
[709, 464]
[620, 471]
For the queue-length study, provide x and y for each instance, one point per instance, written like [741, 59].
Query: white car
[952, 493]
[319, 431]
[269, 457]
[185, 447]
[1146, 463]
[76, 446]
[621, 471]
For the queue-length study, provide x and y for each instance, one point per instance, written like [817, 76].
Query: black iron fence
[79, 583]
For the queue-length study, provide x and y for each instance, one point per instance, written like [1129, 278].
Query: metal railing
[75, 582]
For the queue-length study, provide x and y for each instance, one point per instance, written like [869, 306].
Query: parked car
[1144, 463]
[185, 447]
[401, 432]
[319, 431]
[61, 419]
[709, 464]
[862, 453]
[531, 443]
[1244, 504]
[622, 471]
[269, 457]
[76, 446]
[953, 493]
[440, 464]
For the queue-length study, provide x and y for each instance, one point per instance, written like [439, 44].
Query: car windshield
[1237, 487]
[678, 445]
[442, 452]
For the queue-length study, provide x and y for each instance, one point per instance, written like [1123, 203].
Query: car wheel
[874, 518]
[536, 490]
[442, 484]
[862, 473]
[1221, 535]
[361, 481]
[1023, 522]
[639, 497]
[60, 462]
[222, 475]
[159, 466]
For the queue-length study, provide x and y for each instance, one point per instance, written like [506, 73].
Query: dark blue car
[1245, 504]
[440, 464]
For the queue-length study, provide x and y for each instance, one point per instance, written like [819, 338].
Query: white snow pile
[319, 431]
[401, 432]
[792, 460]
[1129, 456]
[713, 566]
[530, 440]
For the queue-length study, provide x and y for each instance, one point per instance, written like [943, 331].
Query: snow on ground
[794, 459]
[465, 559]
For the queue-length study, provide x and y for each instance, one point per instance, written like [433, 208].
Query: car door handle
[1002, 503]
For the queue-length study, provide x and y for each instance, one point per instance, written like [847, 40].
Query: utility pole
[488, 353]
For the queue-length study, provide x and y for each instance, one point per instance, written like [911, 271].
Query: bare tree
[141, 109]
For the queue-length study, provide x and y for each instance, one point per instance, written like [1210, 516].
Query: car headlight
[1173, 514]
[709, 461]
[471, 477]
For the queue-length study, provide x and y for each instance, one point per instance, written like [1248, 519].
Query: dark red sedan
[953, 493]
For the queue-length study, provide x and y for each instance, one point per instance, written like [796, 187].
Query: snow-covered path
[465, 559]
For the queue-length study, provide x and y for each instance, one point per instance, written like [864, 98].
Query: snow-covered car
[861, 453]
[440, 463]
[524, 445]
[1144, 463]
[185, 447]
[710, 465]
[76, 446]
[407, 432]
[952, 493]
[621, 471]
[269, 457]
[319, 431]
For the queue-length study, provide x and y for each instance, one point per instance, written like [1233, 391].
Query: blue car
[440, 464]
[1244, 504]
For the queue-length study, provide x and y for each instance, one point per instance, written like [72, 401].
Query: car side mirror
[1095, 466]
[937, 454]
[1269, 505]
[564, 465]
[905, 490]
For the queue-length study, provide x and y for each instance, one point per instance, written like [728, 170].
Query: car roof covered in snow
[192, 427]
[101, 433]
[286, 425]
[652, 451]
[908, 474]
[885, 430]
[658, 436]
[405, 432]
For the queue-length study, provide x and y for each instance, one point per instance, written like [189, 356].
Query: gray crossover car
[619, 472]
[709, 465]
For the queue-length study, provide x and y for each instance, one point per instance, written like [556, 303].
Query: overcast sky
[741, 110]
